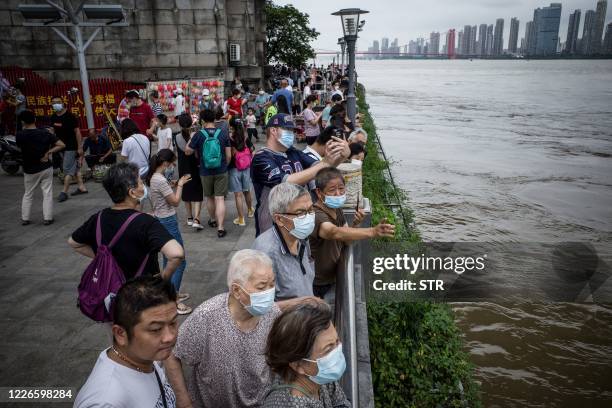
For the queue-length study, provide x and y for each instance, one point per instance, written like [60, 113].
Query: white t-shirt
[251, 121]
[307, 92]
[137, 149]
[179, 105]
[111, 385]
[164, 139]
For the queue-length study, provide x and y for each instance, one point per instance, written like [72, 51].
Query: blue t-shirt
[268, 169]
[101, 147]
[197, 142]
[287, 94]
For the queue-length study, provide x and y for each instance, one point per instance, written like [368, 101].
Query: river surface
[510, 152]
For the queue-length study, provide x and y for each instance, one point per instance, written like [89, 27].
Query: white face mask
[58, 107]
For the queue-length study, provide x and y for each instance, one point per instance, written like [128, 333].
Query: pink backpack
[103, 277]
[243, 159]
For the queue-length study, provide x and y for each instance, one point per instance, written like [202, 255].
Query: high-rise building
[607, 44]
[600, 22]
[450, 43]
[412, 47]
[588, 32]
[434, 43]
[473, 40]
[384, 47]
[529, 38]
[572, 32]
[546, 22]
[482, 40]
[498, 37]
[514, 30]
[466, 40]
[376, 49]
[490, 39]
[460, 43]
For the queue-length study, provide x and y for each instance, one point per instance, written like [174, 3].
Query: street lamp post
[56, 16]
[351, 26]
[342, 45]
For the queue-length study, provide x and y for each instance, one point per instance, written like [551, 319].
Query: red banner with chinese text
[38, 92]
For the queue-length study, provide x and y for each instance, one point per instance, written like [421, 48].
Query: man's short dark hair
[132, 94]
[56, 97]
[162, 118]
[327, 133]
[138, 295]
[207, 116]
[219, 113]
[336, 98]
[128, 128]
[357, 148]
[119, 179]
[337, 110]
[27, 117]
[324, 176]
[236, 92]
[154, 94]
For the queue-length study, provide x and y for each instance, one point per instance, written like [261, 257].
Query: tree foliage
[288, 35]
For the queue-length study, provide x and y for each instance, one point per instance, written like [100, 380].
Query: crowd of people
[269, 340]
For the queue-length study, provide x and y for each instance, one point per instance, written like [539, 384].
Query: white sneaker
[196, 224]
[189, 222]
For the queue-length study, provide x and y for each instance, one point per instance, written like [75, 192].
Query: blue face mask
[261, 302]
[303, 227]
[335, 201]
[330, 368]
[287, 138]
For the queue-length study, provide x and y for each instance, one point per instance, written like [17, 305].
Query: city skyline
[408, 21]
[542, 36]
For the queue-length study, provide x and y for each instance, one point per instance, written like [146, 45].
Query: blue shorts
[239, 180]
[70, 164]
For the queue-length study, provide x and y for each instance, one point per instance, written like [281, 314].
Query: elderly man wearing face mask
[286, 243]
[224, 338]
[280, 162]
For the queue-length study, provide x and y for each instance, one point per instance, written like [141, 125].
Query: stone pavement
[46, 341]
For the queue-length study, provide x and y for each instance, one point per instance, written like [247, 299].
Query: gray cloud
[410, 19]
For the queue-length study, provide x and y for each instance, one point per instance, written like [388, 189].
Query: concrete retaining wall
[166, 39]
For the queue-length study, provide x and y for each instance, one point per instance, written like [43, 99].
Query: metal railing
[348, 298]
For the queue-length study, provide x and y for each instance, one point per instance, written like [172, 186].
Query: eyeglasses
[301, 214]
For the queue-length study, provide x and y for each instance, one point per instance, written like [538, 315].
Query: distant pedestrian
[164, 134]
[192, 192]
[251, 122]
[240, 171]
[164, 201]
[99, 150]
[66, 128]
[37, 147]
[136, 147]
[141, 113]
[214, 150]
[155, 105]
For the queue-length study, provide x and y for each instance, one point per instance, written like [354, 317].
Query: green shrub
[416, 357]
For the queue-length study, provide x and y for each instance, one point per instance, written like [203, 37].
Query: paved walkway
[46, 341]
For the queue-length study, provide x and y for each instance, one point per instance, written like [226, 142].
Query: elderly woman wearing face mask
[304, 350]
[224, 338]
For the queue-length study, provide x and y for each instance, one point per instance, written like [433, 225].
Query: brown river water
[510, 152]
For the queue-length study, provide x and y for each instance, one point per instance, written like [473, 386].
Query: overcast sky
[409, 19]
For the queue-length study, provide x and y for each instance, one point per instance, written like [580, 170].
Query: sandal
[221, 233]
[182, 309]
[212, 223]
[196, 224]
